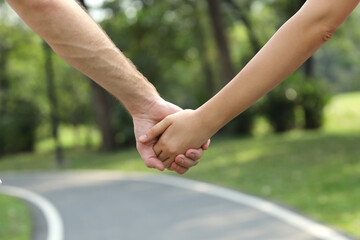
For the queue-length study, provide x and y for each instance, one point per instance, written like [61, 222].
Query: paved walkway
[113, 206]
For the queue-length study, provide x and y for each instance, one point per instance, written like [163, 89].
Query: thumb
[155, 131]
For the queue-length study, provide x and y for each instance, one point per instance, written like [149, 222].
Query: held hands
[179, 132]
[143, 122]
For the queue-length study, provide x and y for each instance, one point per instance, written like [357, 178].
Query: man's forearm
[295, 42]
[76, 38]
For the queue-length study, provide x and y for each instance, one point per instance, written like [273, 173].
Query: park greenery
[51, 115]
[187, 49]
[314, 172]
[15, 219]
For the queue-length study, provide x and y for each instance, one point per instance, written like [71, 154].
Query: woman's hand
[179, 132]
[145, 121]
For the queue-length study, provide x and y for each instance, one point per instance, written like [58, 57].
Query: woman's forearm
[285, 52]
[76, 38]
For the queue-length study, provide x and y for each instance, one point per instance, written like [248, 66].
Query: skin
[285, 52]
[77, 39]
[144, 122]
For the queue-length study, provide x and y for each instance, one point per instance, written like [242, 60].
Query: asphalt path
[109, 205]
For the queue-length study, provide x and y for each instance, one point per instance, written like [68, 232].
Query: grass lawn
[15, 219]
[315, 172]
[342, 114]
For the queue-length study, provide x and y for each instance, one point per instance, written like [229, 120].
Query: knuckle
[167, 119]
[149, 165]
[196, 155]
[171, 150]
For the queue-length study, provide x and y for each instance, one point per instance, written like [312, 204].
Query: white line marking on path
[309, 226]
[53, 219]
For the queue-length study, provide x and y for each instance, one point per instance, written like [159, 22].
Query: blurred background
[299, 145]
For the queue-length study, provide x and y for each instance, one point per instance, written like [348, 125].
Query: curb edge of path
[292, 218]
[54, 222]
[282, 213]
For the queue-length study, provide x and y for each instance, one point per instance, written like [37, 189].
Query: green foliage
[338, 59]
[161, 38]
[313, 98]
[342, 114]
[169, 42]
[15, 219]
[243, 124]
[298, 93]
[73, 93]
[18, 125]
[279, 106]
[122, 123]
[315, 172]
[70, 136]
[285, 9]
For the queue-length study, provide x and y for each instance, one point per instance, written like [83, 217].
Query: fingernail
[181, 160]
[143, 137]
[192, 155]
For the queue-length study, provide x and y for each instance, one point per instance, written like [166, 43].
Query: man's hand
[175, 135]
[157, 111]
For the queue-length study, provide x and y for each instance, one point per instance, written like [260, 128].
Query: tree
[54, 112]
[227, 68]
[201, 45]
[244, 123]
[241, 12]
[313, 112]
[4, 82]
[102, 109]
[287, 9]
[19, 115]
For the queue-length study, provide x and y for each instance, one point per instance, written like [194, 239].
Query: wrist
[154, 108]
[210, 119]
[143, 105]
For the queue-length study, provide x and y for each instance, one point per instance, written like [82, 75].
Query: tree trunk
[208, 74]
[309, 68]
[241, 15]
[227, 69]
[54, 114]
[209, 79]
[102, 109]
[309, 65]
[100, 99]
[4, 82]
